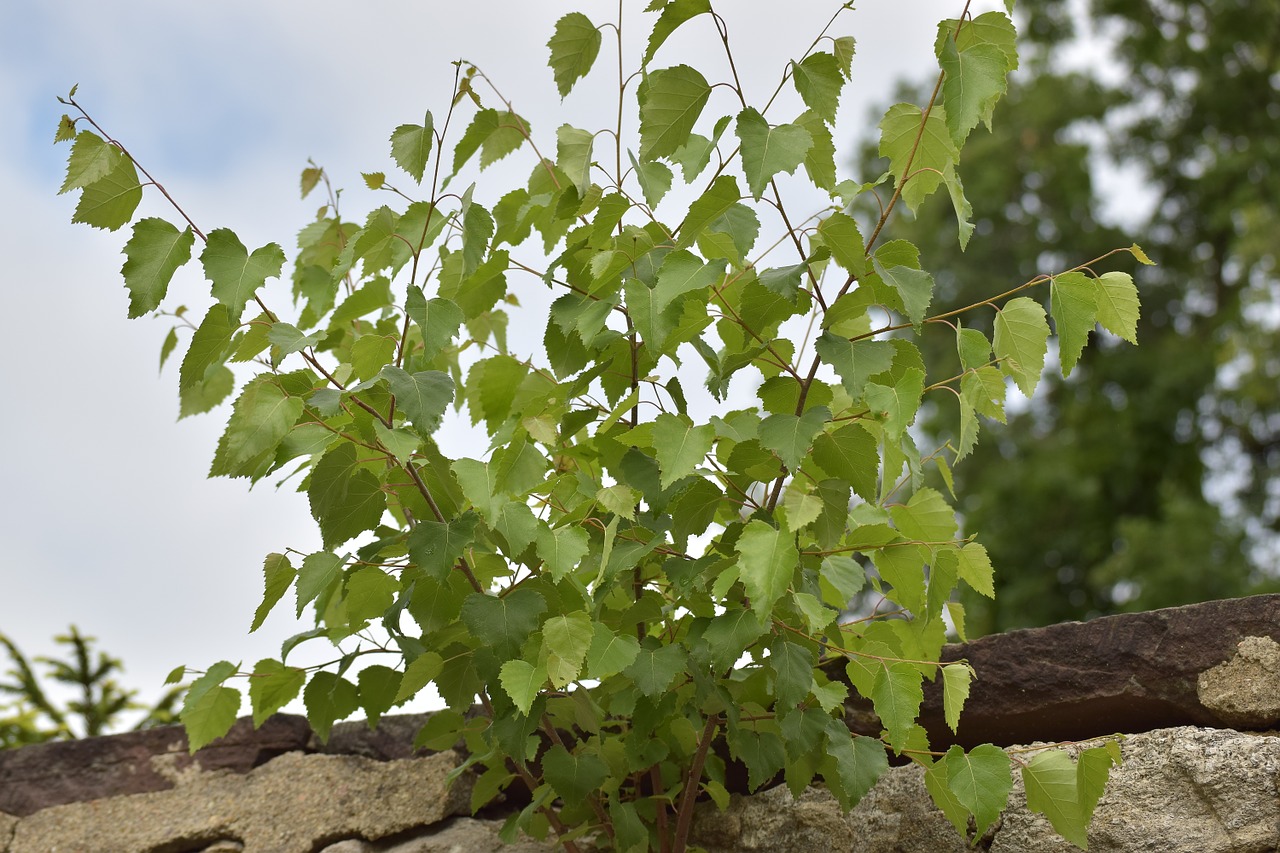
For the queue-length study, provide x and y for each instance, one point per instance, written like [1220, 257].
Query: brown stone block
[52, 774]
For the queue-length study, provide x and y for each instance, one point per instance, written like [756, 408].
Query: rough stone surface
[458, 835]
[1132, 673]
[1245, 691]
[896, 815]
[289, 805]
[393, 738]
[8, 823]
[1181, 790]
[50, 774]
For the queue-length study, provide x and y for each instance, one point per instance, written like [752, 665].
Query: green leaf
[802, 506]
[761, 750]
[92, 158]
[369, 354]
[915, 287]
[960, 203]
[902, 568]
[899, 402]
[422, 396]
[290, 339]
[850, 453]
[1093, 767]
[610, 653]
[1051, 783]
[927, 517]
[477, 230]
[236, 274]
[766, 150]
[655, 667]
[1140, 255]
[522, 681]
[853, 763]
[329, 698]
[710, 206]
[152, 254]
[319, 572]
[694, 508]
[493, 134]
[980, 781]
[110, 201]
[935, 781]
[574, 47]
[670, 102]
[918, 168]
[620, 500]
[680, 447]
[973, 85]
[1118, 307]
[896, 696]
[575, 777]
[378, 687]
[673, 15]
[346, 500]
[565, 640]
[682, 272]
[437, 546]
[208, 347]
[791, 437]
[503, 623]
[562, 549]
[844, 48]
[1075, 311]
[217, 385]
[818, 80]
[974, 348]
[278, 574]
[654, 177]
[767, 560]
[262, 416]
[820, 160]
[573, 154]
[841, 235]
[855, 361]
[783, 281]
[792, 666]
[374, 296]
[991, 28]
[844, 576]
[975, 569]
[439, 320]
[955, 690]
[272, 686]
[420, 672]
[209, 709]
[411, 146]
[370, 592]
[1021, 341]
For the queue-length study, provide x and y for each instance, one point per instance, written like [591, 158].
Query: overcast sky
[106, 518]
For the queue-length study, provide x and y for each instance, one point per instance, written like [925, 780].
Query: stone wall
[1197, 689]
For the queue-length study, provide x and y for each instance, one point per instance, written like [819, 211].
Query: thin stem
[689, 795]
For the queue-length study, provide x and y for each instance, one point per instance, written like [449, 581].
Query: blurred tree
[1094, 499]
[34, 716]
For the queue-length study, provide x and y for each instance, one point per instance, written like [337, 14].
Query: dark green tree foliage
[1093, 499]
[34, 713]
[635, 584]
